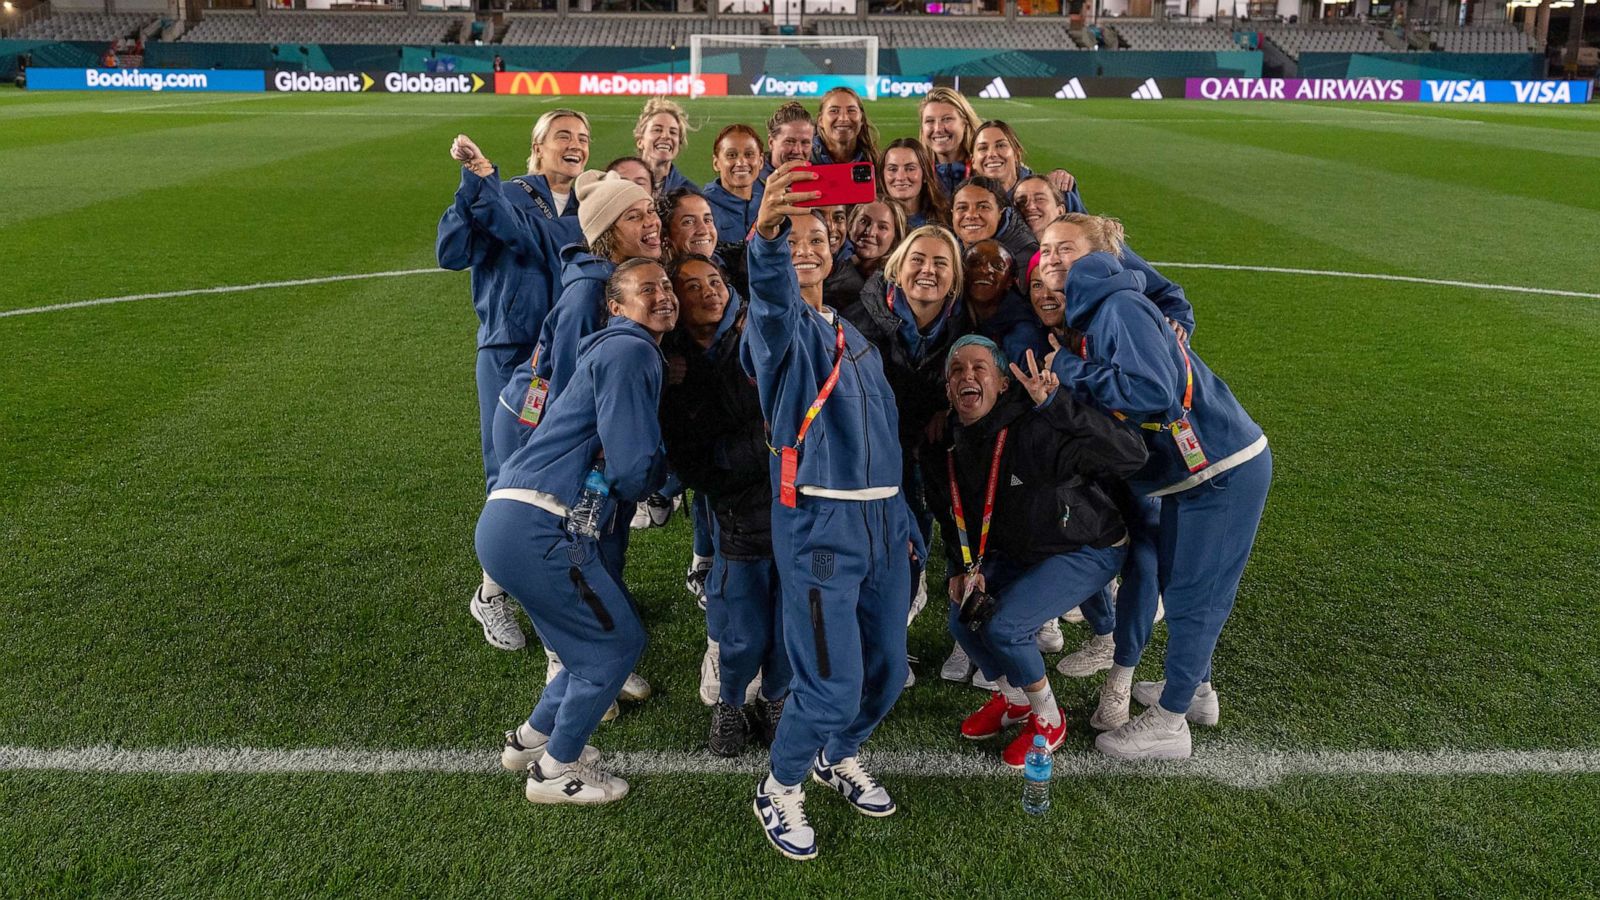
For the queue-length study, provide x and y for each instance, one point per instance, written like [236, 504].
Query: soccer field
[239, 521]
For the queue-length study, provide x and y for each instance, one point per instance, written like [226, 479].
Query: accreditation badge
[533, 404]
[1189, 445]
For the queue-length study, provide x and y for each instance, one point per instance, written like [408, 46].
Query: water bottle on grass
[1036, 778]
[583, 519]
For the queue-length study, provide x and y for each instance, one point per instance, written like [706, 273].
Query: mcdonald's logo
[527, 83]
[624, 84]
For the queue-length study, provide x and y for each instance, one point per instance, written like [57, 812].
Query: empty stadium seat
[1483, 39]
[1327, 38]
[79, 26]
[324, 28]
[1171, 36]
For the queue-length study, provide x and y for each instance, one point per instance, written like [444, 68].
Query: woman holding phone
[840, 529]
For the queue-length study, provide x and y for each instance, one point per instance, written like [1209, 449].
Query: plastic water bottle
[583, 519]
[1036, 778]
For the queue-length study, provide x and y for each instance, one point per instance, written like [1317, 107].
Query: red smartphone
[841, 184]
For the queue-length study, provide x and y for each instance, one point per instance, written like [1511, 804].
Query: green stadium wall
[1423, 66]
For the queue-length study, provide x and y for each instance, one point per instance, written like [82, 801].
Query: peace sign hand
[778, 203]
[1040, 385]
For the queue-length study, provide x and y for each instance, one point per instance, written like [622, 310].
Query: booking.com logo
[152, 81]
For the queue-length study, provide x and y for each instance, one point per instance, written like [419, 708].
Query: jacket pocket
[819, 632]
[591, 599]
[1082, 511]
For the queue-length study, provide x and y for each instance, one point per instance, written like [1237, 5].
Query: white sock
[1104, 640]
[491, 587]
[1013, 695]
[711, 645]
[699, 562]
[529, 736]
[1044, 706]
[1203, 689]
[1120, 678]
[550, 767]
[770, 785]
[1170, 719]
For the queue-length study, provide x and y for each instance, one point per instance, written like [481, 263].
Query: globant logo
[311, 82]
[642, 85]
[412, 83]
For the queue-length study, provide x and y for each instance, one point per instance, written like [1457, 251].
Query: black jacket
[842, 288]
[1056, 481]
[716, 441]
[918, 383]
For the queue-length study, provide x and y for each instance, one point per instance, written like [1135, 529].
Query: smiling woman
[660, 135]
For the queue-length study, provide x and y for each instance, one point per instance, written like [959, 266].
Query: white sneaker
[517, 756]
[1074, 616]
[919, 600]
[861, 790]
[783, 818]
[710, 675]
[1161, 610]
[957, 666]
[911, 676]
[612, 712]
[581, 783]
[1154, 734]
[634, 689]
[1050, 637]
[753, 690]
[982, 683]
[652, 513]
[1204, 709]
[1112, 713]
[1094, 655]
[498, 616]
[552, 665]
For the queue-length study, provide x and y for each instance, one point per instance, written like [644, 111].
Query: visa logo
[1542, 91]
[1458, 92]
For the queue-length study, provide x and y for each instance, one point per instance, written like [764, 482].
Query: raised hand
[464, 151]
[1040, 385]
[778, 203]
[1061, 180]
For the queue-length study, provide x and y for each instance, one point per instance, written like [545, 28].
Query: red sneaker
[1016, 752]
[994, 717]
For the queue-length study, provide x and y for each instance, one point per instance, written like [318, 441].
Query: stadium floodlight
[848, 58]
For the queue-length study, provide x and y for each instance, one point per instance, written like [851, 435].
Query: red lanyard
[988, 503]
[791, 455]
[889, 298]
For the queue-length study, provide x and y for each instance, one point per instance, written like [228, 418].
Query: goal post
[851, 59]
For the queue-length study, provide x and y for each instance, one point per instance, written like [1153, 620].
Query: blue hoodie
[579, 313]
[820, 155]
[501, 232]
[1135, 366]
[609, 404]
[789, 349]
[952, 174]
[675, 180]
[1166, 294]
[734, 216]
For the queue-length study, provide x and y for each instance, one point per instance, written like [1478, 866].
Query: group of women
[971, 349]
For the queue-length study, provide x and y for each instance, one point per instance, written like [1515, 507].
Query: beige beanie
[602, 199]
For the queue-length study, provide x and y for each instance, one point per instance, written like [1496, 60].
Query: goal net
[851, 60]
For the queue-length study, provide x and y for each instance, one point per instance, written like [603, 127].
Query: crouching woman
[1025, 481]
[541, 536]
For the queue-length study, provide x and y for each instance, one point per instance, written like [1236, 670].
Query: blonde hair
[952, 97]
[541, 130]
[891, 269]
[1105, 234]
[655, 106]
[896, 215]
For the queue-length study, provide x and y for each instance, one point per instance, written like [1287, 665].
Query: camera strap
[790, 456]
[1194, 457]
[988, 503]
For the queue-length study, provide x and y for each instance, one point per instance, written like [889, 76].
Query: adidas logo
[1147, 91]
[995, 91]
[1072, 90]
[1015, 481]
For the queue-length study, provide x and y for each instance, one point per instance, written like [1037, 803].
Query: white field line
[224, 289]
[1374, 276]
[1222, 267]
[1232, 766]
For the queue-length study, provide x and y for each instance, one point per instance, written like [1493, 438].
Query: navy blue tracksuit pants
[579, 607]
[749, 601]
[1141, 589]
[846, 581]
[1206, 536]
[1006, 644]
[495, 365]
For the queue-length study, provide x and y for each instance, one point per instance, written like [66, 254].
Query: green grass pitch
[244, 519]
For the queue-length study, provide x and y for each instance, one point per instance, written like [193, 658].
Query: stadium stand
[1167, 36]
[1483, 39]
[324, 28]
[85, 26]
[618, 31]
[984, 34]
[1297, 39]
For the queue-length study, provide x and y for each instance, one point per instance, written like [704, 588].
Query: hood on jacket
[899, 319]
[617, 327]
[1091, 280]
[578, 263]
[1010, 406]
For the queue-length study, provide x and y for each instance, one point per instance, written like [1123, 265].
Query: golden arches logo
[530, 83]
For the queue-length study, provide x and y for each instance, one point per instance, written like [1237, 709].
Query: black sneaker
[729, 730]
[766, 714]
